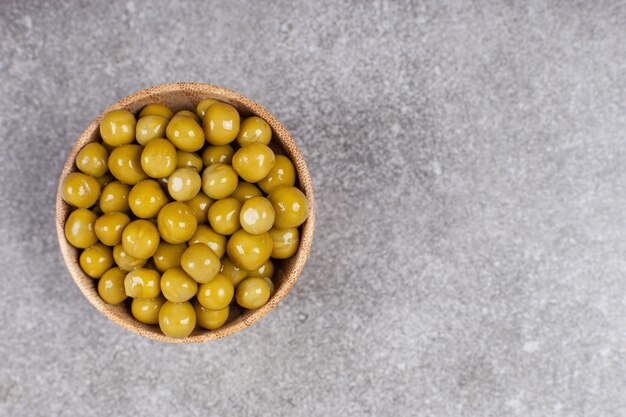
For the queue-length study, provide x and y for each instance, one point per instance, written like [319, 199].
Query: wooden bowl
[178, 96]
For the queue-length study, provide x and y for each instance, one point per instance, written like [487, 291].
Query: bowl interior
[179, 96]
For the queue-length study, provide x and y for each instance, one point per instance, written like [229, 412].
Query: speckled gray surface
[469, 167]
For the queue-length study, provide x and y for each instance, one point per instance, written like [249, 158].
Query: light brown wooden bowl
[178, 96]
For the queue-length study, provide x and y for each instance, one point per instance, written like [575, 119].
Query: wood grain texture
[178, 96]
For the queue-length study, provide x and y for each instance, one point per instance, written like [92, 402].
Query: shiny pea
[217, 154]
[118, 127]
[245, 191]
[185, 133]
[176, 222]
[80, 190]
[142, 283]
[257, 215]
[219, 181]
[210, 319]
[146, 198]
[200, 206]
[249, 251]
[177, 320]
[159, 158]
[140, 239]
[252, 293]
[291, 207]
[79, 228]
[109, 227]
[114, 197]
[183, 184]
[92, 160]
[188, 160]
[254, 130]
[253, 162]
[200, 262]
[221, 124]
[266, 271]
[125, 164]
[168, 255]
[111, 286]
[205, 235]
[157, 110]
[177, 286]
[282, 173]
[217, 293]
[126, 261]
[96, 260]
[146, 310]
[202, 107]
[224, 216]
[233, 272]
[150, 127]
[285, 242]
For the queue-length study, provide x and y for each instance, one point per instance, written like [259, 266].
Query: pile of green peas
[183, 213]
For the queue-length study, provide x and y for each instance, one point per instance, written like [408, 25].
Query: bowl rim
[189, 89]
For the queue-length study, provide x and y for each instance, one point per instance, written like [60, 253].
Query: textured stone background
[469, 168]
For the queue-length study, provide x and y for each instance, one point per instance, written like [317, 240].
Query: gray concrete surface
[469, 166]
